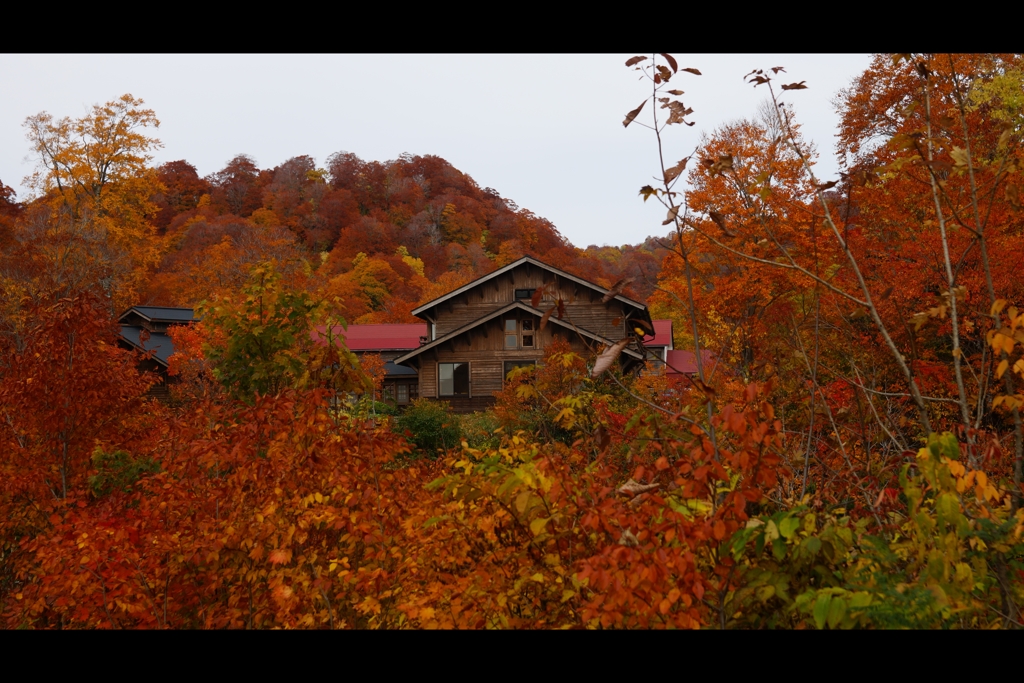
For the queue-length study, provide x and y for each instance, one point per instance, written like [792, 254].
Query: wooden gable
[582, 300]
[491, 323]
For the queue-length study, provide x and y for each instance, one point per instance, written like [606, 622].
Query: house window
[453, 379]
[524, 293]
[511, 334]
[512, 364]
[527, 326]
[403, 393]
[519, 334]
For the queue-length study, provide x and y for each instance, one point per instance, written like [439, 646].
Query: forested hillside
[848, 453]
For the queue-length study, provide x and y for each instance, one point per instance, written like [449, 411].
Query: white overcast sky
[545, 131]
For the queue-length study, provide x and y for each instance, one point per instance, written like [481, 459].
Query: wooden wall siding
[160, 392]
[428, 379]
[488, 341]
[487, 365]
[469, 405]
[583, 305]
[136, 320]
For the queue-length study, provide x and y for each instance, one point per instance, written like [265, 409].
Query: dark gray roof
[160, 343]
[393, 370]
[163, 314]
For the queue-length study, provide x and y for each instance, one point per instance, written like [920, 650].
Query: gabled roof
[532, 261]
[161, 344]
[162, 314]
[662, 334]
[392, 370]
[501, 311]
[397, 337]
[685, 362]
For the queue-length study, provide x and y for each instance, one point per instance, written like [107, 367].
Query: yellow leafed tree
[94, 177]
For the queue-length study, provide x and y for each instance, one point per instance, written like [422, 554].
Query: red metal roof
[662, 334]
[380, 337]
[685, 362]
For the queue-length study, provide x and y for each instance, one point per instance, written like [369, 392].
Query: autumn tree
[269, 341]
[94, 175]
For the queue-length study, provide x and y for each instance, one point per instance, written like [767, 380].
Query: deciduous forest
[848, 454]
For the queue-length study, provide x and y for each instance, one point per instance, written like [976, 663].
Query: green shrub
[118, 471]
[431, 426]
[478, 429]
[366, 407]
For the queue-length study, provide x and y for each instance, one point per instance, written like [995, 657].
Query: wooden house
[144, 328]
[401, 384]
[477, 333]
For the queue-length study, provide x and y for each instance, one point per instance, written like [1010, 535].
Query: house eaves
[161, 314]
[534, 262]
[159, 345]
[499, 312]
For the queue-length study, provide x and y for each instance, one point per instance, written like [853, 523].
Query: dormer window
[519, 334]
[527, 326]
[511, 334]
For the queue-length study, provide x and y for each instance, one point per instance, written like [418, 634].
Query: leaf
[537, 525]
[544, 318]
[672, 213]
[704, 388]
[538, 294]
[1001, 369]
[677, 93]
[788, 526]
[826, 186]
[628, 539]
[671, 61]
[777, 69]
[643, 323]
[616, 289]
[724, 163]
[601, 438]
[836, 611]
[561, 309]
[795, 86]
[647, 191]
[679, 111]
[959, 156]
[691, 70]
[609, 356]
[1013, 196]
[634, 60]
[280, 556]
[821, 609]
[633, 114]
[632, 488]
[719, 220]
[673, 173]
